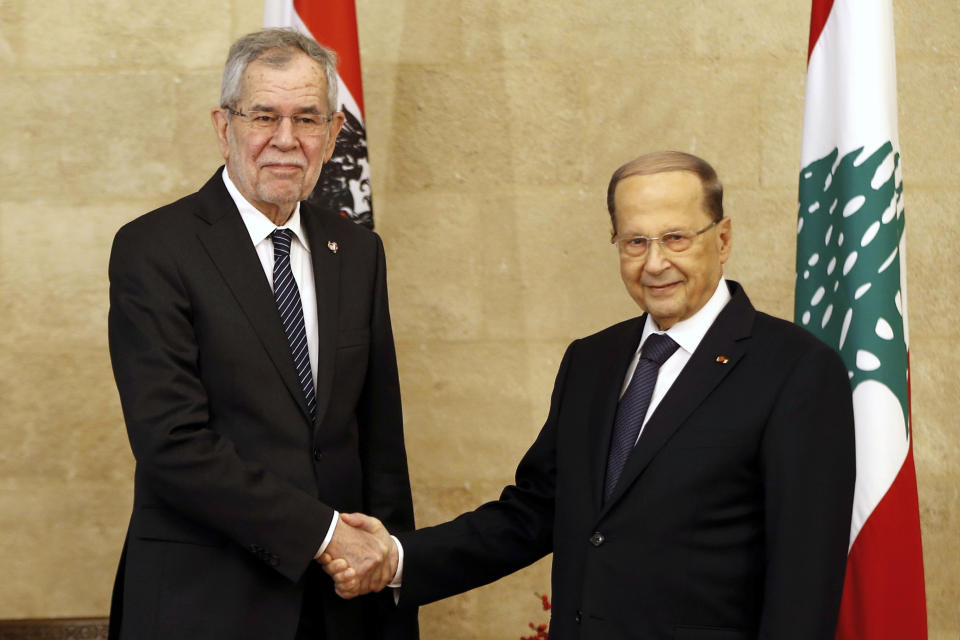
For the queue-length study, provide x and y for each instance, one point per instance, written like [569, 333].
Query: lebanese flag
[851, 292]
[344, 184]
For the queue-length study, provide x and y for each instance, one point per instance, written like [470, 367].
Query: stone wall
[493, 128]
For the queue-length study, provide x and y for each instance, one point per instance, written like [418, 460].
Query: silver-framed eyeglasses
[672, 242]
[307, 124]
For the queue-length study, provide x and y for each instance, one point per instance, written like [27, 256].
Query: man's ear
[219, 118]
[725, 238]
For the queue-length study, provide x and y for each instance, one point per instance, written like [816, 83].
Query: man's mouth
[282, 167]
[661, 288]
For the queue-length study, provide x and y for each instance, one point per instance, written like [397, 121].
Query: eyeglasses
[671, 242]
[306, 124]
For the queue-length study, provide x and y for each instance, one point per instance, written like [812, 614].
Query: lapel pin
[723, 359]
[333, 246]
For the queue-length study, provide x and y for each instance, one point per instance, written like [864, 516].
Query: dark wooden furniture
[54, 629]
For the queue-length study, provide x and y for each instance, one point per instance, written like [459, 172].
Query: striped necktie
[634, 403]
[291, 314]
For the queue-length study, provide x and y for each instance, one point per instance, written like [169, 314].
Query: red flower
[546, 602]
[541, 629]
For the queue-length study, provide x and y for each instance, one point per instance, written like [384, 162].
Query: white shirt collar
[688, 333]
[258, 225]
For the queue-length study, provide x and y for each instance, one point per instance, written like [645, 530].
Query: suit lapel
[228, 243]
[701, 375]
[326, 275]
[610, 371]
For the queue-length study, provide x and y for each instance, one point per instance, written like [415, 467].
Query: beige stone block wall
[493, 129]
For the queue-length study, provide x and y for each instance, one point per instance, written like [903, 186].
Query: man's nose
[656, 260]
[283, 137]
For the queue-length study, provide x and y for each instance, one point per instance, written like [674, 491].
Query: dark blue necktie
[291, 314]
[633, 405]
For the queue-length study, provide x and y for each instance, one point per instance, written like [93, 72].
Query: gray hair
[275, 47]
[663, 161]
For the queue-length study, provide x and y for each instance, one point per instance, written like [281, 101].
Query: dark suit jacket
[235, 486]
[732, 516]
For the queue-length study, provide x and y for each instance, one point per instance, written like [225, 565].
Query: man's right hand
[361, 556]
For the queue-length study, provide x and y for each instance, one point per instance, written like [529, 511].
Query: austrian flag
[851, 292]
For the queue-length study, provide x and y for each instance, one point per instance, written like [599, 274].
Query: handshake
[361, 556]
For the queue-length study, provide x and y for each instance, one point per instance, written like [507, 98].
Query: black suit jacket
[235, 485]
[732, 516]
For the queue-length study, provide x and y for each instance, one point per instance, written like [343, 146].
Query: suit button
[579, 616]
[597, 539]
[317, 454]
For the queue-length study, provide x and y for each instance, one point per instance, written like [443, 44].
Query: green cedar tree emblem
[848, 263]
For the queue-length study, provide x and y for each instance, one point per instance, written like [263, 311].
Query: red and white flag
[851, 292]
[344, 184]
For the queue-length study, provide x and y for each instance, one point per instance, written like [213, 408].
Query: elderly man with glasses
[694, 478]
[251, 344]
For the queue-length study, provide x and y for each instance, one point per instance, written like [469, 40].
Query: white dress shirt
[260, 227]
[687, 334]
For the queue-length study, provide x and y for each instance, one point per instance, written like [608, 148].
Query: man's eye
[309, 121]
[265, 118]
[638, 241]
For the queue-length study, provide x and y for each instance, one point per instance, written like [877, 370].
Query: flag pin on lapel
[333, 246]
[723, 359]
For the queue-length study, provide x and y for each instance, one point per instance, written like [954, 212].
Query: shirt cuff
[329, 536]
[398, 576]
